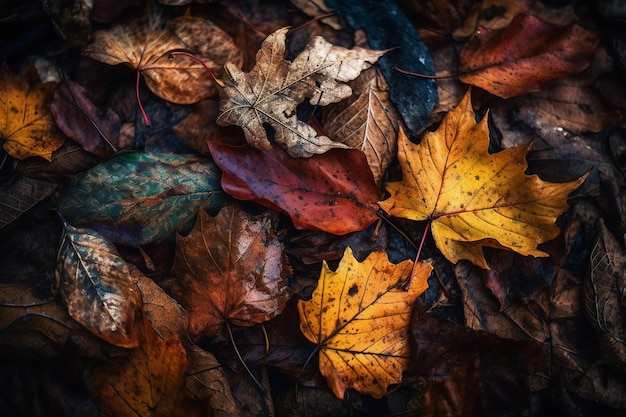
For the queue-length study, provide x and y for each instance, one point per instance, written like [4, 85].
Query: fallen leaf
[81, 120]
[21, 195]
[145, 43]
[473, 198]
[526, 55]
[367, 121]
[26, 124]
[136, 198]
[148, 383]
[66, 162]
[604, 289]
[95, 284]
[271, 91]
[229, 269]
[329, 192]
[359, 318]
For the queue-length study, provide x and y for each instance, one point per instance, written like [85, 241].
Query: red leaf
[329, 192]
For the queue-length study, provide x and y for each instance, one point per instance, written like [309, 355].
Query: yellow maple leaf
[474, 198]
[27, 127]
[359, 317]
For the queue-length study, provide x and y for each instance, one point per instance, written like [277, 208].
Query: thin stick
[146, 121]
[430, 77]
[232, 341]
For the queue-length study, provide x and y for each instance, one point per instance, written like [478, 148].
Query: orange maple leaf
[359, 317]
[473, 198]
[26, 124]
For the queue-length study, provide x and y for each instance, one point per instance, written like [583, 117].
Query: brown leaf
[21, 195]
[145, 44]
[524, 56]
[272, 90]
[67, 161]
[95, 284]
[229, 269]
[604, 289]
[26, 124]
[367, 120]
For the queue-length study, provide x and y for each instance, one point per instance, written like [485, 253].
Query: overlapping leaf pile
[276, 241]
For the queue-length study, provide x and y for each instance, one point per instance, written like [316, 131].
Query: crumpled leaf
[359, 317]
[144, 43]
[95, 284]
[523, 57]
[328, 192]
[230, 268]
[604, 290]
[26, 124]
[474, 198]
[272, 90]
[148, 383]
[367, 121]
[136, 198]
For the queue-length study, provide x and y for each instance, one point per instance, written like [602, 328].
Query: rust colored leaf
[230, 268]
[523, 57]
[604, 290]
[26, 124]
[474, 198]
[368, 121]
[95, 284]
[329, 192]
[359, 317]
[145, 43]
[271, 91]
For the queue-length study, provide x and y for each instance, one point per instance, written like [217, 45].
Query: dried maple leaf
[26, 124]
[473, 198]
[524, 56]
[229, 269]
[359, 317]
[146, 44]
[272, 90]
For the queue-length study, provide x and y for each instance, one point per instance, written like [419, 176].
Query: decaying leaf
[95, 284]
[271, 91]
[523, 57]
[20, 196]
[368, 121]
[359, 317]
[230, 268]
[145, 44]
[135, 198]
[604, 290]
[474, 198]
[26, 124]
[329, 192]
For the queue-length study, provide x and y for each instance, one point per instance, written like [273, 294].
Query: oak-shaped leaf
[271, 91]
[525, 55]
[147, 383]
[26, 124]
[471, 197]
[136, 198]
[230, 269]
[95, 284]
[359, 317]
[367, 121]
[145, 43]
[329, 192]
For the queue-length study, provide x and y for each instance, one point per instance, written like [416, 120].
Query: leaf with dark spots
[330, 192]
[136, 198]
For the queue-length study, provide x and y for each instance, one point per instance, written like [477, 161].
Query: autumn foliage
[270, 208]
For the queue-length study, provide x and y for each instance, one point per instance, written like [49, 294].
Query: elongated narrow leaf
[136, 198]
[329, 192]
[96, 285]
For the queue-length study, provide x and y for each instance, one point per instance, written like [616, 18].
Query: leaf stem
[232, 341]
[206, 67]
[146, 120]
[430, 77]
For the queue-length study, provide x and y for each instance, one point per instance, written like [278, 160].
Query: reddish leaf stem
[146, 120]
[206, 67]
[232, 341]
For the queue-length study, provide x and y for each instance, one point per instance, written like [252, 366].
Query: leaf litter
[163, 232]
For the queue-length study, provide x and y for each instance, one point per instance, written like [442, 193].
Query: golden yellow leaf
[474, 198]
[27, 127]
[359, 317]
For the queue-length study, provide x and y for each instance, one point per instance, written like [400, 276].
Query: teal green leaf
[96, 285]
[136, 198]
